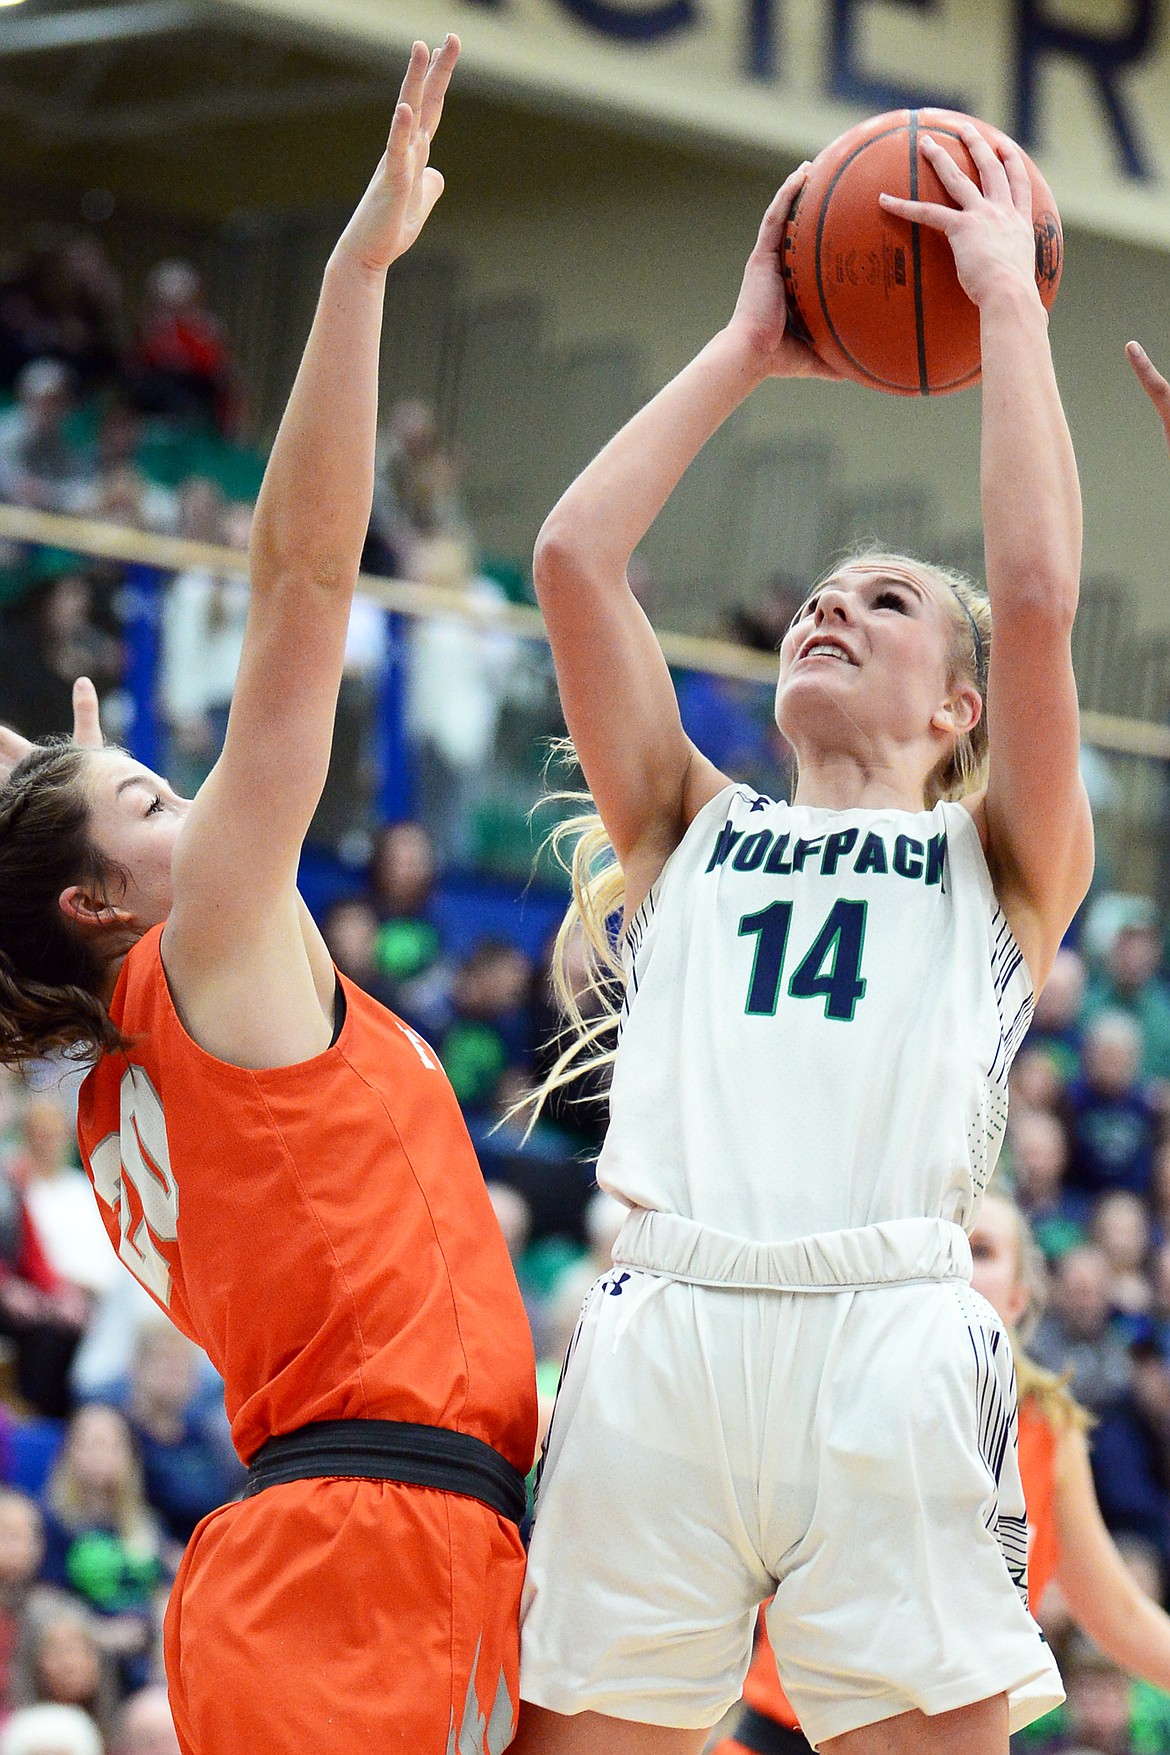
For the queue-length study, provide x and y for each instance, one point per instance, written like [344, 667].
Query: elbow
[562, 557]
[1041, 598]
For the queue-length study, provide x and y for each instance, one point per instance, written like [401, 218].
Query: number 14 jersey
[821, 1011]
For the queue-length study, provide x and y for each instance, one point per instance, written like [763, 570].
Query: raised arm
[1034, 817]
[1103, 1597]
[233, 945]
[647, 778]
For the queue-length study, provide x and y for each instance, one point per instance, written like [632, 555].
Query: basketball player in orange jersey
[1067, 1537]
[279, 1160]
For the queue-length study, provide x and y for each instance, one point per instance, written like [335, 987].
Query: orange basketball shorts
[328, 1617]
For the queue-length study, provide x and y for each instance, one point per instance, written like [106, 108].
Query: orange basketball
[877, 297]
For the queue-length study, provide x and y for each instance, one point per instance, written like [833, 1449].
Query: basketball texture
[876, 297]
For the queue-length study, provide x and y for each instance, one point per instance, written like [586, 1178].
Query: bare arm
[1034, 817]
[1105, 1601]
[646, 776]
[234, 948]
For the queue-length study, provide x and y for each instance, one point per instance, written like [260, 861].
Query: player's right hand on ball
[760, 317]
[1151, 381]
[404, 188]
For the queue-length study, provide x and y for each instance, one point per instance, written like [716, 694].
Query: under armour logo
[614, 1288]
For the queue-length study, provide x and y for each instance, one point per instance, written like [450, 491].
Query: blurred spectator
[1115, 1117]
[1034, 1082]
[1129, 980]
[40, 1313]
[102, 1539]
[179, 365]
[1131, 1452]
[1038, 1150]
[188, 1464]
[60, 1661]
[58, 1196]
[1076, 1334]
[120, 492]
[1121, 1231]
[203, 635]
[50, 1730]
[63, 302]
[487, 1030]
[40, 466]
[402, 885]
[581, 1108]
[416, 495]
[350, 930]
[459, 675]
[1057, 1024]
[1098, 1705]
[22, 1551]
[144, 1725]
[51, 638]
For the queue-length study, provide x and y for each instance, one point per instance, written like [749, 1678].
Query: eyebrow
[131, 780]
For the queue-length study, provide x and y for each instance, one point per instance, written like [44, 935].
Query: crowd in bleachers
[113, 1436]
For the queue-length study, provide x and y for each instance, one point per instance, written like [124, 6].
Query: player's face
[998, 1271]
[136, 819]
[867, 658]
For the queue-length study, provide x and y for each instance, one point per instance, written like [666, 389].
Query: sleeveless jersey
[1038, 1440]
[322, 1230]
[820, 1014]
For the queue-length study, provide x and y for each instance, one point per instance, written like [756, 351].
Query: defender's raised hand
[1151, 381]
[87, 730]
[404, 188]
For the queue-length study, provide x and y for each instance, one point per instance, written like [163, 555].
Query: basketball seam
[867, 373]
[916, 258]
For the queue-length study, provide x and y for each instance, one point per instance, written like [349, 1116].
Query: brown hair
[50, 978]
[582, 848]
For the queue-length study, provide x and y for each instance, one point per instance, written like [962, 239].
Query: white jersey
[821, 1011]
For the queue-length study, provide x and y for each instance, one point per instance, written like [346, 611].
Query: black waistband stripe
[391, 1450]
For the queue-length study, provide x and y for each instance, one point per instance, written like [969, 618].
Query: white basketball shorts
[849, 1446]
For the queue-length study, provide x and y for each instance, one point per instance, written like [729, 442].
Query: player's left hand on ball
[405, 187]
[1151, 381]
[760, 317]
[989, 227]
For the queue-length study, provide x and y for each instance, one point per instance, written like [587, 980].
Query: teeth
[827, 651]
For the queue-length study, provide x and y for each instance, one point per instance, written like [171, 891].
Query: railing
[1129, 752]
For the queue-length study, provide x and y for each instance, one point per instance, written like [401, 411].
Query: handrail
[1105, 731]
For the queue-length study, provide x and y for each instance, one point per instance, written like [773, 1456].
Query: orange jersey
[1038, 1440]
[1038, 1444]
[322, 1230]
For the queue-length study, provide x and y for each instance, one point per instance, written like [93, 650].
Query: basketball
[876, 297]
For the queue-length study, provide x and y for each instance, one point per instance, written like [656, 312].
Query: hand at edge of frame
[87, 731]
[405, 187]
[1151, 381]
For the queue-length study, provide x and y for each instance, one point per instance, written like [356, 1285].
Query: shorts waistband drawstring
[896, 1252]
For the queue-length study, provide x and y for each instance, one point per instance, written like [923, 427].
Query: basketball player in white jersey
[785, 1384]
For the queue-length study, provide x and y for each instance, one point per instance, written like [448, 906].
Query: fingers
[87, 729]
[13, 749]
[957, 184]
[778, 209]
[1019, 182]
[993, 178]
[928, 213]
[415, 77]
[438, 78]
[1151, 381]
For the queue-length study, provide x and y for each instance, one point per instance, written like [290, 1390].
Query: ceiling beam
[57, 125]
